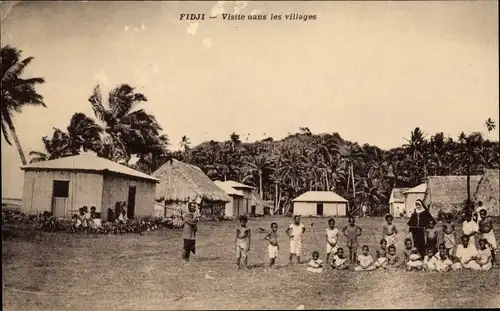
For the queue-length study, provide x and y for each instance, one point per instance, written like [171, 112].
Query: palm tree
[59, 146]
[259, 165]
[16, 92]
[490, 125]
[127, 131]
[185, 143]
[469, 154]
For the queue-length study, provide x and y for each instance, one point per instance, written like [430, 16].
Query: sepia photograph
[286, 155]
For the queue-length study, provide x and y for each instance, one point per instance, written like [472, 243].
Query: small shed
[448, 193]
[246, 207]
[181, 183]
[397, 202]
[488, 192]
[412, 195]
[62, 186]
[320, 203]
[235, 206]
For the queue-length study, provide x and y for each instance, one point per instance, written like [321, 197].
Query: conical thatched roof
[448, 193]
[488, 191]
[182, 182]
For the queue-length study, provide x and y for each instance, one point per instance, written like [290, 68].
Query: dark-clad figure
[419, 220]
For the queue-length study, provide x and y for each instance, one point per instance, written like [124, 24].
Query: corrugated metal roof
[418, 189]
[228, 189]
[87, 162]
[319, 196]
[236, 184]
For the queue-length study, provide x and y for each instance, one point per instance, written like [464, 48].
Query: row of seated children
[85, 219]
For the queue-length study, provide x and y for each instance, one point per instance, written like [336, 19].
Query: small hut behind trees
[181, 183]
[488, 192]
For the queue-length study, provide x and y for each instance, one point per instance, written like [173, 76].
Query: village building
[181, 183]
[412, 195]
[397, 206]
[64, 185]
[320, 203]
[246, 203]
[235, 206]
[488, 192]
[447, 194]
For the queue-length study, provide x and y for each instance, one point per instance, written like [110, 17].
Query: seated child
[444, 262]
[441, 249]
[339, 260]
[392, 259]
[382, 255]
[430, 259]
[413, 261]
[465, 256]
[76, 222]
[365, 260]
[316, 264]
[484, 255]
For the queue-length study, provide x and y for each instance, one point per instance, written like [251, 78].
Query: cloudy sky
[371, 71]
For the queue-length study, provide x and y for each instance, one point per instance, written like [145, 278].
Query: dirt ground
[43, 271]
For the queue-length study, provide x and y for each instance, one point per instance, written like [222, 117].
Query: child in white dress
[316, 264]
[365, 260]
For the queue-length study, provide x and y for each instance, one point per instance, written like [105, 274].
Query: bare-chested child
[413, 260]
[389, 230]
[242, 240]
[339, 261]
[449, 238]
[273, 246]
[392, 259]
[431, 234]
[486, 230]
[381, 252]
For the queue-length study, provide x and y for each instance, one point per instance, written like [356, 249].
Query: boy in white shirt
[365, 260]
[316, 264]
[295, 232]
[331, 239]
[465, 255]
[430, 259]
[339, 261]
[444, 262]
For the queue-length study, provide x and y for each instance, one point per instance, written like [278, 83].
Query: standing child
[483, 257]
[365, 260]
[189, 229]
[470, 228]
[449, 239]
[316, 264]
[392, 259]
[431, 235]
[273, 247]
[331, 239]
[412, 256]
[295, 232]
[486, 230]
[242, 241]
[339, 261]
[389, 230]
[382, 255]
[352, 231]
[430, 259]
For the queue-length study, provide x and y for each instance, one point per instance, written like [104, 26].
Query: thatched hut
[488, 192]
[181, 183]
[447, 193]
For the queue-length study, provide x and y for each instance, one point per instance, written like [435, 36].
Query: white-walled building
[320, 203]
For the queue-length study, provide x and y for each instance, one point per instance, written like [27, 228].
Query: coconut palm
[469, 154]
[16, 92]
[59, 146]
[490, 125]
[127, 131]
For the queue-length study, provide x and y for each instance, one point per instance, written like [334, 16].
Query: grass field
[43, 271]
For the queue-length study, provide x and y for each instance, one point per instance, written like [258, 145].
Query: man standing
[189, 231]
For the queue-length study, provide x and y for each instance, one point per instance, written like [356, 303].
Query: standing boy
[242, 241]
[295, 232]
[273, 247]
[352, 231]
[486, 230]
[189, 229]
[331, 239]
[389, 230]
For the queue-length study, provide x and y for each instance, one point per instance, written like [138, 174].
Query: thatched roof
[397, 195]
[228, 189]
[448, 193]
[257, 201]
[488, 191]
[182, 182]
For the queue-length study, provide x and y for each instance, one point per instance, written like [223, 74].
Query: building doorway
[60, 193]
[131, 202]
[319, 209]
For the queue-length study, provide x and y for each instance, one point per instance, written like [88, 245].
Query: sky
[371, 71]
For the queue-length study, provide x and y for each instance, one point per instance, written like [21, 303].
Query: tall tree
[16, 92]
[469, 154]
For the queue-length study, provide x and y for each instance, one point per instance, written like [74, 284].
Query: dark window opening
[319, 209]
[61, 189]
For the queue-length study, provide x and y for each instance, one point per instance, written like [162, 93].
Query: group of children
[91, 219]
[440, 255]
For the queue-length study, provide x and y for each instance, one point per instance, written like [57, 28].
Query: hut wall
[487, 194]
[84, 189]
[116, 189]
